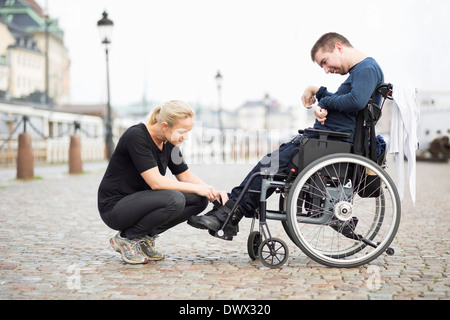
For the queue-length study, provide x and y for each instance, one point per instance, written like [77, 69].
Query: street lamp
[47, 44]
[267, 103]
[105, 28]
[219, 79]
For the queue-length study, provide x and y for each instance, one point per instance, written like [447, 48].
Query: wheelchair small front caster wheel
[253, 242]
[273, 253]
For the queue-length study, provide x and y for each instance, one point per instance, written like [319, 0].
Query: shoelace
[152, 239]
[136, 245]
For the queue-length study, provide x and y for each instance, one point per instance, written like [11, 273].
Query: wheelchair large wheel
[343, 210]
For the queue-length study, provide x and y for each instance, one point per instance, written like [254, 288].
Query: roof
[23, 4]
[36, 7]
[23, 39]
[28, 15]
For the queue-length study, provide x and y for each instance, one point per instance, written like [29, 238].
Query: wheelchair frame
[319, 208]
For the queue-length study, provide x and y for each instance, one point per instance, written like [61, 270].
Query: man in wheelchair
[335, 112]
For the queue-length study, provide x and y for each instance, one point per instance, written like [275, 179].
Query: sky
[172, 49]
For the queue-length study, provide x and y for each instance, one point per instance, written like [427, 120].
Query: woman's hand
[221, 196]
[206, 191]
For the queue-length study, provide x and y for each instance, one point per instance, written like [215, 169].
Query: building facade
[34, 62]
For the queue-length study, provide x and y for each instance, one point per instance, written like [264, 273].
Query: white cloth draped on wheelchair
[403, 135]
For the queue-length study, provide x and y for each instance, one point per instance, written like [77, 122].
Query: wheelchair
[342, 209]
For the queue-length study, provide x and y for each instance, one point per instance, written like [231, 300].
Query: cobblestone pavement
[53, 245]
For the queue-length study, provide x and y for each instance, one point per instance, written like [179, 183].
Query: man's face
[331, 62]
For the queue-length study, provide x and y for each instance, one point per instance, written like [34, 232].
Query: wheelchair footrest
[348, 230]
[223, 235]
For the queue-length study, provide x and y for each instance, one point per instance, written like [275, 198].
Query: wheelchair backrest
[364, 142]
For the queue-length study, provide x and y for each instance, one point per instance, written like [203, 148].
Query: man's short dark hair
[327, 42]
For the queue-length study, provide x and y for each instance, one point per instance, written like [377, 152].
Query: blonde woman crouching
[135, 197]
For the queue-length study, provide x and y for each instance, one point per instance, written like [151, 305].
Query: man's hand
[309, 96]
[321, 114]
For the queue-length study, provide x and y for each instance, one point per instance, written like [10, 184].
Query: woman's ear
[164, 126]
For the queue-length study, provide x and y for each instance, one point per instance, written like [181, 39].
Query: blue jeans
[279, 162]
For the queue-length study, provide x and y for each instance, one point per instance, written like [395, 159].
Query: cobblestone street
[53, 245]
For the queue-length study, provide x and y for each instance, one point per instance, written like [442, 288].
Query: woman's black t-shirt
[135, 153]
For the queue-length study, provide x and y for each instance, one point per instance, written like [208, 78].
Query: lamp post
[219, 79]
[267, 104]
[47, 36]
[105, 28]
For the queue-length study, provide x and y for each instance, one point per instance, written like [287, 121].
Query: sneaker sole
[155, 258]
[117, 248]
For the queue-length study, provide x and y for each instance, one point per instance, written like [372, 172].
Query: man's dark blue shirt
[351, 97]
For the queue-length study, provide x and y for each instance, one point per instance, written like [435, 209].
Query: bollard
[75, 163]
[25, 161]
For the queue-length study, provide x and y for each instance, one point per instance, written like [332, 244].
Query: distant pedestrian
[135, 197]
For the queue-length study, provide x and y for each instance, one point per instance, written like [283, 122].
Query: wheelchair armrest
[324, 134]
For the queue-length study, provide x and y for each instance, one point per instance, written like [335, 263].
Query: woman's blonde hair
[171, 112]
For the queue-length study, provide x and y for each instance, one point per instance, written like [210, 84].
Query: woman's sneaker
[148, 248]
[129, 249]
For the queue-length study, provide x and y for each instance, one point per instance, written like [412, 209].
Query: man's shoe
[130, 250]
[207, 221]
[214, 219]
